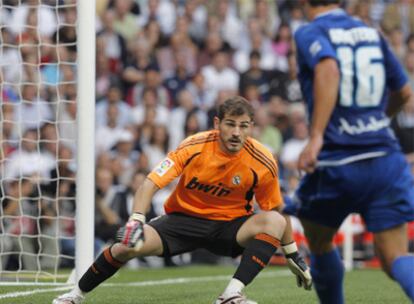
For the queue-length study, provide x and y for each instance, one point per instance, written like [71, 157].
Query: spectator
[8, 133]
[212, 44]
[17, 226]
[199, 92]
[286, 84]
[29, 160]
[294, 146]
[10, 60]
[178, 117]
[179, 43]
[154, 36]
[125, 22]
[230, 25]
[66, 121]
[409, 66]
[196, 15]
[266, 12]
[278, 110]
[257, 41]
[255, 75]
[32, 112]
[297, 18]
[140, 59]
[107, 135]
[397, 43]
[179, 80]
[157, 147]
[282, 41]
[66, 33]
[107, 221]
[403, 125]
[113, 97]
[162, 11]
[149, 102]
[114, 43]
[45, 16]
[399, 14]
[192, 123]
[266, 133]
[104, 77]
[124, 158]
[219, 76]
[152, 81]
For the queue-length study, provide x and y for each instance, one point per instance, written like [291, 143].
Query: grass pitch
[202, 284]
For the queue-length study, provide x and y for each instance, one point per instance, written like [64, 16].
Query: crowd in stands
[162, 67]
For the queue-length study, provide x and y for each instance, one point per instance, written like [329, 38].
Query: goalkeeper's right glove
[297, 265]
[132, 234]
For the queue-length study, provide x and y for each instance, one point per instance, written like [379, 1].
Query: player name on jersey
[353, 36]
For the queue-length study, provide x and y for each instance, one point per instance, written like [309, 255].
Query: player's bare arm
[143, 196]
[326, 86]
[132, 233]
[399, 99]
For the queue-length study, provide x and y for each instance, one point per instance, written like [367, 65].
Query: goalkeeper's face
[233, 132]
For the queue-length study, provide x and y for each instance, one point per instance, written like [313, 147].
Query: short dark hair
[323, 2]
[235, 106]
[255, 54]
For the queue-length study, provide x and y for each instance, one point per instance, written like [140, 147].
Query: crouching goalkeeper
[222, 173]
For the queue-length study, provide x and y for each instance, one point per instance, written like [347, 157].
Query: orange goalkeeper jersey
[216, 185]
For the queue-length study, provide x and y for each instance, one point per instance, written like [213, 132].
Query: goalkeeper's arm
[143, 197]
[294, 260]
[132, 233]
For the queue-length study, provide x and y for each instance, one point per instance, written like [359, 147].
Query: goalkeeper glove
[132, 234]
[297, 265]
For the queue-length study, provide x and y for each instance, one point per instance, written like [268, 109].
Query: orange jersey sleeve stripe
[199, 140]
[269, 160]
[264, 161]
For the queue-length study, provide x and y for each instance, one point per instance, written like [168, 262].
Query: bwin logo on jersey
[236, 180]
[216, 190]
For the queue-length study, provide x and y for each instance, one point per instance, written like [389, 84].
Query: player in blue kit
[352, 85]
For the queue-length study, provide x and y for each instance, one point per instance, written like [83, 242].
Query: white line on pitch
[31, 292]
[146, 283]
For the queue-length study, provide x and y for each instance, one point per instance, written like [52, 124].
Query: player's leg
[391, 246]
[108, 263]
[326, 266]
[260, 236]
[389, 210]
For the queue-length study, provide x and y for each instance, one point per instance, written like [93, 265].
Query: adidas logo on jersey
[217, 190]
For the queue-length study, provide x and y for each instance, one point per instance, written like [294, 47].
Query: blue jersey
[368, 71]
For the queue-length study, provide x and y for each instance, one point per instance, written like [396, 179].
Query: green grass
[202, 284]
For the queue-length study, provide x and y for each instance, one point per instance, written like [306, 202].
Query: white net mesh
[37, 135]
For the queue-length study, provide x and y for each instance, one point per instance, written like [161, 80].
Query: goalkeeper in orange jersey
[222, 173]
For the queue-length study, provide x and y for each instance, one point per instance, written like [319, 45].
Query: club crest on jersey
[236, 180]
[315, 48]
[164, 166]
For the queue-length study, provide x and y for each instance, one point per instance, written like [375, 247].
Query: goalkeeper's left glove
[297, 265]
[132, 234]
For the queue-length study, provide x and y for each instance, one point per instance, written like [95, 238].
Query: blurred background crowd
[162, 67]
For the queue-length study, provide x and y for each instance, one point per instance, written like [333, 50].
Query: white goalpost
[47, 125]
[85, 195]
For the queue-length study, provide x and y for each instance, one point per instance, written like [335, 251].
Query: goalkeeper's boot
[68, 298]
[234, 298]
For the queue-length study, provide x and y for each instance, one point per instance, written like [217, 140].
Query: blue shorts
[380, 189]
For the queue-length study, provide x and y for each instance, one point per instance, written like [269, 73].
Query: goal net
[38, 135]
